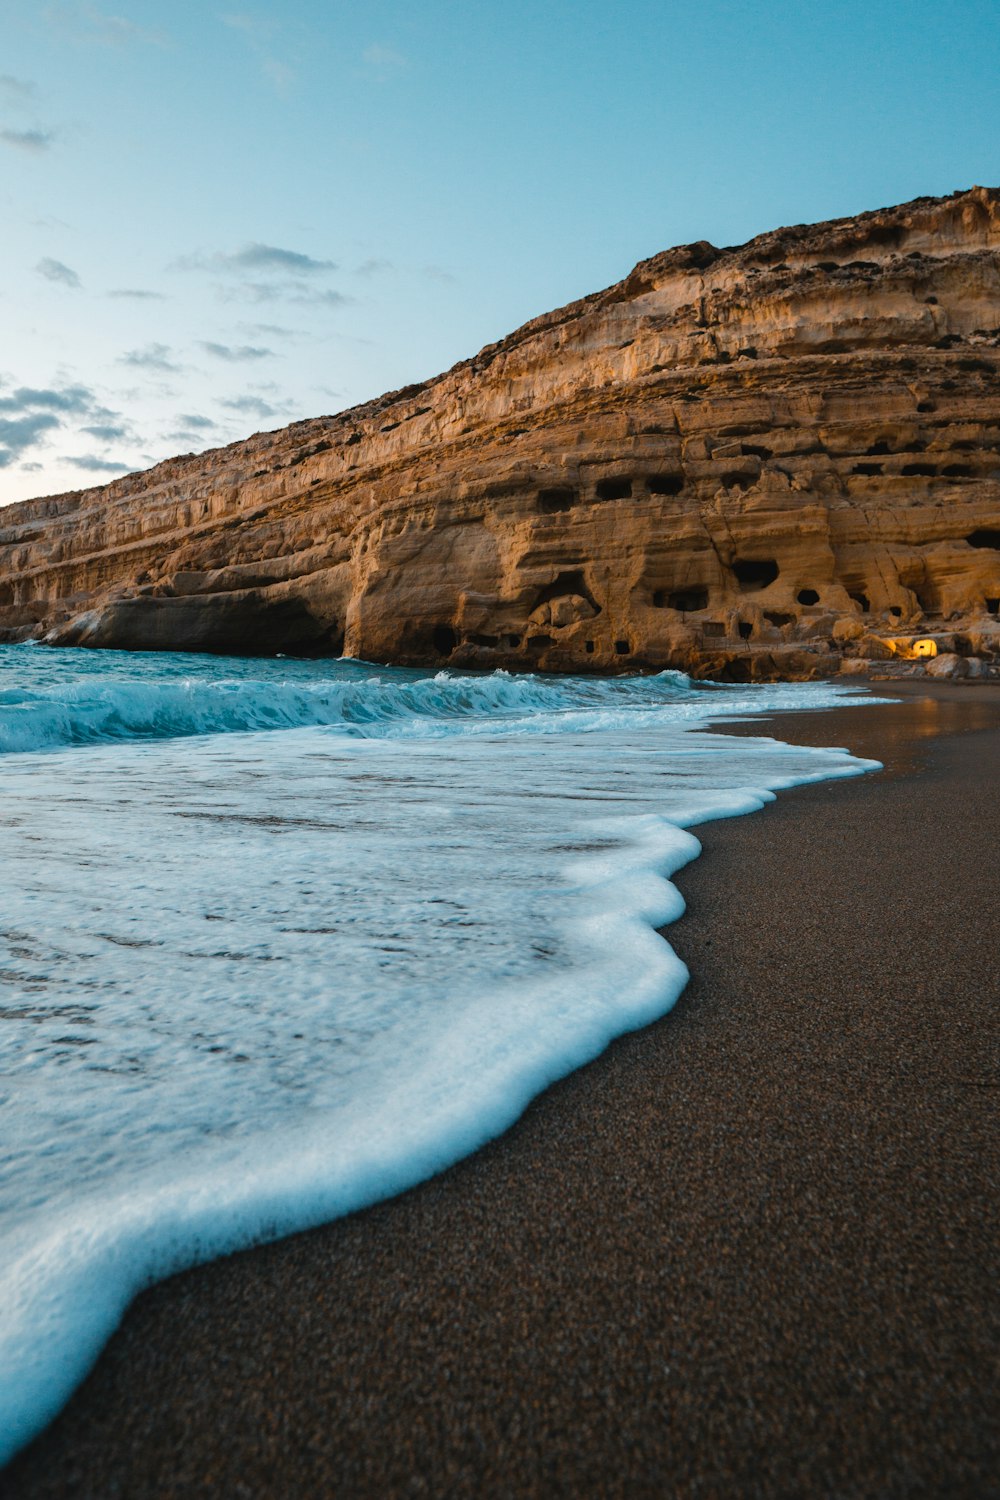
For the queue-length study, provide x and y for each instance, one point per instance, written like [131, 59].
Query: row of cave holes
[444, 641]
[564, 497]
[750, 573]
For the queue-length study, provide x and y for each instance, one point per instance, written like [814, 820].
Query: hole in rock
[926, 406]
[551, 502]
[895, 611]
[588, 646]
[880, 447]
[484, 640]
[512, 642]
[444, 640]
[713, 628]
[665, 484]
[807, 596]
[993, 605]
[539, 642]
[616, 488]
[757, 450]
[566, 583]
[984, 538]
[778, 617]
[931, 301]
[861, 599]
[682, 599]
[755, 573]
[742, 481]
[745, 629]
[957, 471]
[868, 468]
[913, 470]
[622, 648]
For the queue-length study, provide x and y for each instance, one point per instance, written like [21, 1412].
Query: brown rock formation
[753, 461]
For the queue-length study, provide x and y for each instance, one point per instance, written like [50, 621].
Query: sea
[280, 938]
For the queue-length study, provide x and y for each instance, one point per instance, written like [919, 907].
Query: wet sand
[752, 1250]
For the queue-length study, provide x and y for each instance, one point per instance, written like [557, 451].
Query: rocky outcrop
[744, 462]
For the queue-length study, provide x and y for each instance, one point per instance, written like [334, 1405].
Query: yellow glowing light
[925, 647]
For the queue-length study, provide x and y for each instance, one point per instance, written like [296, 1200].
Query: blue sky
[221, 218]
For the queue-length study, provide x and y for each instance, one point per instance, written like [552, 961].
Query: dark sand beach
[752, 1250]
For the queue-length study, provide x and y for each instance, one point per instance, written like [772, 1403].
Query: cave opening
[665, 484]
[571, 582]
[985, 537]
[755, 573]
[862, 600]
[745, 629]
[681, 599]
[778, 618]
[444, 640]
[993, 605]
[622, 648]
[807, 596]
[552, 501]
[618, 487]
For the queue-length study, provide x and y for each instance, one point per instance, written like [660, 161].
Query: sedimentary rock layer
[743, 462]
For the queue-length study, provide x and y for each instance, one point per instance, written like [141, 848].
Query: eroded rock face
[745, 462]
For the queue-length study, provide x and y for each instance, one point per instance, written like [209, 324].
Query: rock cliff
[745, 462]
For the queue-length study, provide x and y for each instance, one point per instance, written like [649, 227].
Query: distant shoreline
[748, 1250]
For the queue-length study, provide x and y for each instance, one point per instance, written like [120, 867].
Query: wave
[97, 710]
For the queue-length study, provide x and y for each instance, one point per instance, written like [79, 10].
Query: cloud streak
[35, 142]
[85, 23]
[30, 416]
[257, 257]
[237, 353]
[57, 271]
[152, 357]
[137, 294]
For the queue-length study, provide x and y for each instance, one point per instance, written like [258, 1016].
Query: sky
[219, 218]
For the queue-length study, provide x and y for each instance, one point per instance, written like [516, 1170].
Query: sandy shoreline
[750, 1250]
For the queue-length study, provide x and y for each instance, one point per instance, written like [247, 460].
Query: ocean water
[280, 938]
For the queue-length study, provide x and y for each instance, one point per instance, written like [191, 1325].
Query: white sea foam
[257, 979]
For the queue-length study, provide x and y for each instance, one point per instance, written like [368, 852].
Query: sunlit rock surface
[747, 462]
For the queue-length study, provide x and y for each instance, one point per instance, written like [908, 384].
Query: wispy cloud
[152, 357]
[56, 270]
[438, 273]
[18, 434]
[266, 273]
[137, 294]
[94, 465]
[106, 432]
[85, 23]
[251, 406]
[384, 62]
[259, 34]
[373, 267]
[32, 141]
[30, 416]
[256, 257]
[237, 353]
[197, 421]
[16, 90]
[67, 398]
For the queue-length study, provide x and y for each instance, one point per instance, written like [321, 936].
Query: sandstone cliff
[744, 462]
